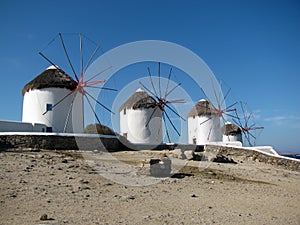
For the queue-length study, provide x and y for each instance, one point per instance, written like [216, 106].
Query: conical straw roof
[140, 99]
[202, 108]
[51, 77]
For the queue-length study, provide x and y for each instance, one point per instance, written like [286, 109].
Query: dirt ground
[101, 188]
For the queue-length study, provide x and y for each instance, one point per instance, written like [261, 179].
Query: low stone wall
[237, 154]
[59, 142]
[51, 141]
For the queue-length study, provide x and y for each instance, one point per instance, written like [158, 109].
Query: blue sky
[254, 46]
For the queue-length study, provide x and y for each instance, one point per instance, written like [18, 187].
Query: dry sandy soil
[93, 188]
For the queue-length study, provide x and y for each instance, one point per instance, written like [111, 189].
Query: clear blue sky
[253, 45]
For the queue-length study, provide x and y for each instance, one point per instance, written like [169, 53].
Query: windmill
[247, 124]
[83, 85]
[221, 111]
[162, 102]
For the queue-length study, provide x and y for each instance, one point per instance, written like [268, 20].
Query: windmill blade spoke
[207, 98]
[206, 121]
[226, 95]
[81, 56]
[166, 128]
[238, 123]
[151, 116]
[228, 139]
[223, 117]
[50, 42]
[248, 138]
[95, 82]
[176, 101]
[215, 93]
[149, 72]
[69, 112]
[252, 126]
[90, 104]
[248, 118]
[168, 82]
[103, 88]
[249, 133]
[175, 112]
[172, 89]
[229, 110]
[232, 116]
[47, 59]
[243, 110]
[159, 87]
[91, 58]
[100, 103]
[236, 114]
[209, 132]
[220, 92]
[172, 123]
[230, 107]
[60, 101]
[67, 55]
[86, 37]
[98, 74]
[257, 128]
[149, 90]
[205, 94]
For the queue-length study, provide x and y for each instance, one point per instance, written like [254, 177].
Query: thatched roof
[202, 108]
[51, 77]
[231, 129]
[140, 99]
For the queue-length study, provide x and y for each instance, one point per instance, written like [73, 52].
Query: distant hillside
[98, 129]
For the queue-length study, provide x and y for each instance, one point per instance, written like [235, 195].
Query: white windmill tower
[139, 121]
[55, 99]
[231, 133]
[47, 91]
[203, 124]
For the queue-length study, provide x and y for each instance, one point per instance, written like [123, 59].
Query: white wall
[16, 126]
[192, 129]
[34, 105]
[232, 138]
[209, 131]
[77, 120]
[133, 123]
[266, 149]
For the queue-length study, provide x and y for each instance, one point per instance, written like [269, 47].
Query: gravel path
[67, 187]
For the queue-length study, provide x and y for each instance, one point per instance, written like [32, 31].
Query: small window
[124, 111]
[49, 107]
[49, 129]
[125, 135]
[193, 117]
